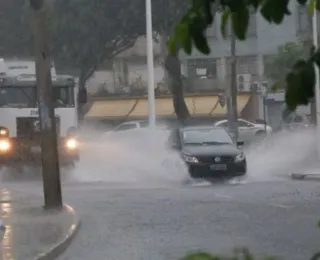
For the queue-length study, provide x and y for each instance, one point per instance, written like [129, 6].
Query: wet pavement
[29, 230]
[126, 221]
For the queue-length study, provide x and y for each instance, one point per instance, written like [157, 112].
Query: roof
[30, 80]
[200, 127]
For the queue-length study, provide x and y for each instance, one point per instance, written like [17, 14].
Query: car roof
[133, 122]
[225, 120]
[201, 127]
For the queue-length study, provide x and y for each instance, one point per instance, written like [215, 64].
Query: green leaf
[311, 6]
[319, 224]
[318, 5]
[200, 42]
[172, 45]
[199, 256]
[224, 22]
[183, 36]
[240, 22]
[275, 10]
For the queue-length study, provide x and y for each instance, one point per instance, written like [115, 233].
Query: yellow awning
[204, 105]
[242, 100]
[164, 107]
[141, 109]
[110, 108]
[132, 108]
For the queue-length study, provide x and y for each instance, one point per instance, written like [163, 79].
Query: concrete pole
[151, 94]
[232, 104]
[317, 85]
[50, 162]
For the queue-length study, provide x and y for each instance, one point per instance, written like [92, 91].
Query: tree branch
[118, 46]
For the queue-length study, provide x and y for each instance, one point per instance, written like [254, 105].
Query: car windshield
[206, 136]
[26, 97]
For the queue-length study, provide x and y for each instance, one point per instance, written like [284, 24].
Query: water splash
[281, 154]
[137, 157]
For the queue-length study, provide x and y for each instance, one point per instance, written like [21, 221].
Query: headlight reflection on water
[6, 212]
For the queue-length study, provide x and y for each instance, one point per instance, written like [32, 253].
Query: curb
[305, 176]
[62, 245]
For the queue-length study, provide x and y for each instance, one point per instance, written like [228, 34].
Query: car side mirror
[240, 143]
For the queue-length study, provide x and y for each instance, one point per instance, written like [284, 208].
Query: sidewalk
[310, 171]
[30, 232]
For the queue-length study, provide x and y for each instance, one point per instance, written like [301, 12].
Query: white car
[248, 131]
[134, 125]
[131, 125]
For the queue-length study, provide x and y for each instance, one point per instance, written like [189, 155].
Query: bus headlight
[4, 131]
[72, 144]
[4, 145]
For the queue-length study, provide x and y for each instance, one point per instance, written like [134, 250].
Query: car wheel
[238, 180]
[261, 133]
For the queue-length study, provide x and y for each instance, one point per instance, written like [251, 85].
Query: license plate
[218, 167]
[36, 149]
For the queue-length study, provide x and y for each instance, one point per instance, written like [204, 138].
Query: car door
[246, 130]
[223, 123]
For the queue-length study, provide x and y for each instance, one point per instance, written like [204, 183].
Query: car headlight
[4, 131]
[240, 157]
[190, 159]
[4, 145]
[72, 143]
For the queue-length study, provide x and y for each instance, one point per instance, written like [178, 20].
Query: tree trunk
[173, 66]
[82, 96]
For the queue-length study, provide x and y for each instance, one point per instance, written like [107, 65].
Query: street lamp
[151, 95]
[317, 87]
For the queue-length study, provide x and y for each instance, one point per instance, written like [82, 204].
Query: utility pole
[49, 149]
[232, 106]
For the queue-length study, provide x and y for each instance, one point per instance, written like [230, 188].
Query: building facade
[210, 72]
[205, 71]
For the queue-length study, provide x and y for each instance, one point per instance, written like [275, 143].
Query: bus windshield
[26, 97]
[20, 97]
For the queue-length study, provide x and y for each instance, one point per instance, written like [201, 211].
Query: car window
[242, 123]
[197, 136]
[223, 124]
[126, 127]
[298, 119]
[144, 124]
[289, 118]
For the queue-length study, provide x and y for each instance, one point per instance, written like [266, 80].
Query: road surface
[123, 221]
